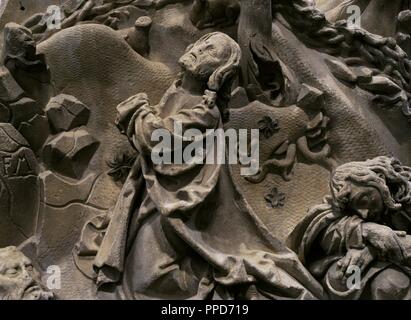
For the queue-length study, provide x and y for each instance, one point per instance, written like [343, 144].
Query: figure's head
[371, 188]
[19, 42]
[214, 59]
[18, 278]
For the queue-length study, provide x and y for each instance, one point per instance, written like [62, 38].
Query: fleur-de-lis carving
[275, 198]
[268, 126]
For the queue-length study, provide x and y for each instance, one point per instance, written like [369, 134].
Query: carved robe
[184, 231]
[324, 237]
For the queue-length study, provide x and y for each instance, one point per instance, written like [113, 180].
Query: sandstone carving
[341, 71]
[205, 149]
[35, 131]
[9, 89]
[23, 110]
[211, 13]
[138, 37]
[65, 112]
[69, 152]
[218, 57]
[239, 98]
[20, 57]
[310, 97]
[365, 222]
[19, 185]
[19, 280]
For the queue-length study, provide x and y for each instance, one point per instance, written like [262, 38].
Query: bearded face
[205, 57]
[19, 41]
[18, 278]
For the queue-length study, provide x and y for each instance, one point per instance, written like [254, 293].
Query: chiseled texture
[377, 16]
[94, 64]
[190, 234]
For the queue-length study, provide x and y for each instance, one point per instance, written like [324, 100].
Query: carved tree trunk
[261, 73]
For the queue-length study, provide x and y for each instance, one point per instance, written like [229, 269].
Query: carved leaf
[268, 127]
[120, 166]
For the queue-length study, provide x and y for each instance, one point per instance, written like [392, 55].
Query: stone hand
[126, 110]
[360, 258]
[210, 98]
[385, 240]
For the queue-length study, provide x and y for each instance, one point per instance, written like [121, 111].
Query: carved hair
[222, 79]
[386, 174]
[14, 47]
[6, 253]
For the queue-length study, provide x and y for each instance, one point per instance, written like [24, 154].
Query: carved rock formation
[69, 153]
[322, 96]
[65, 112]
[19, 187]
[23, 110]
[10, 91]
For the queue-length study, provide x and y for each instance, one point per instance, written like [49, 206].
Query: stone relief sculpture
[87, 87]
[19, 280]
[387, 11]
[189, 260]
[365, 222]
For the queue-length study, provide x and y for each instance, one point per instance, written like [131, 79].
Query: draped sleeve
[138, 120]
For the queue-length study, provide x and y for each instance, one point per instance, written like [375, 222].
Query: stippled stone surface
[19, 187]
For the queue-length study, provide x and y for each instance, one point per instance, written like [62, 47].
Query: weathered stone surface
[59, 232]
[65, 112]
[309, 97]
[10, 139]
[340, 70]
[69, 153]
[23, 110]
[138, 37]
[239, 98]
[18, 44]
[364, 74]
[94, 64]
[9, 89]
[104, 193]
[36, 131]
[404, 21]
[19, 187]
[29, 247]
[144, 3]
[59, 191]
[380, 84]
[19, 279]
[4, 113]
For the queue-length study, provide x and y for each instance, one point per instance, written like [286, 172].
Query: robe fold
[184, 231]
[324, 237]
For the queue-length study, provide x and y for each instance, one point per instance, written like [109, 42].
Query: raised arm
[138, 120]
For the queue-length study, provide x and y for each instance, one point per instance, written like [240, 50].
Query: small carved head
[371, 188]
[18, 278]
[18, 42]
[215, 58]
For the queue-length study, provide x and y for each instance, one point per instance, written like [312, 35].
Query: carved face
[18, 279]
[19, 41]
[366, 202]
[206, 56]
